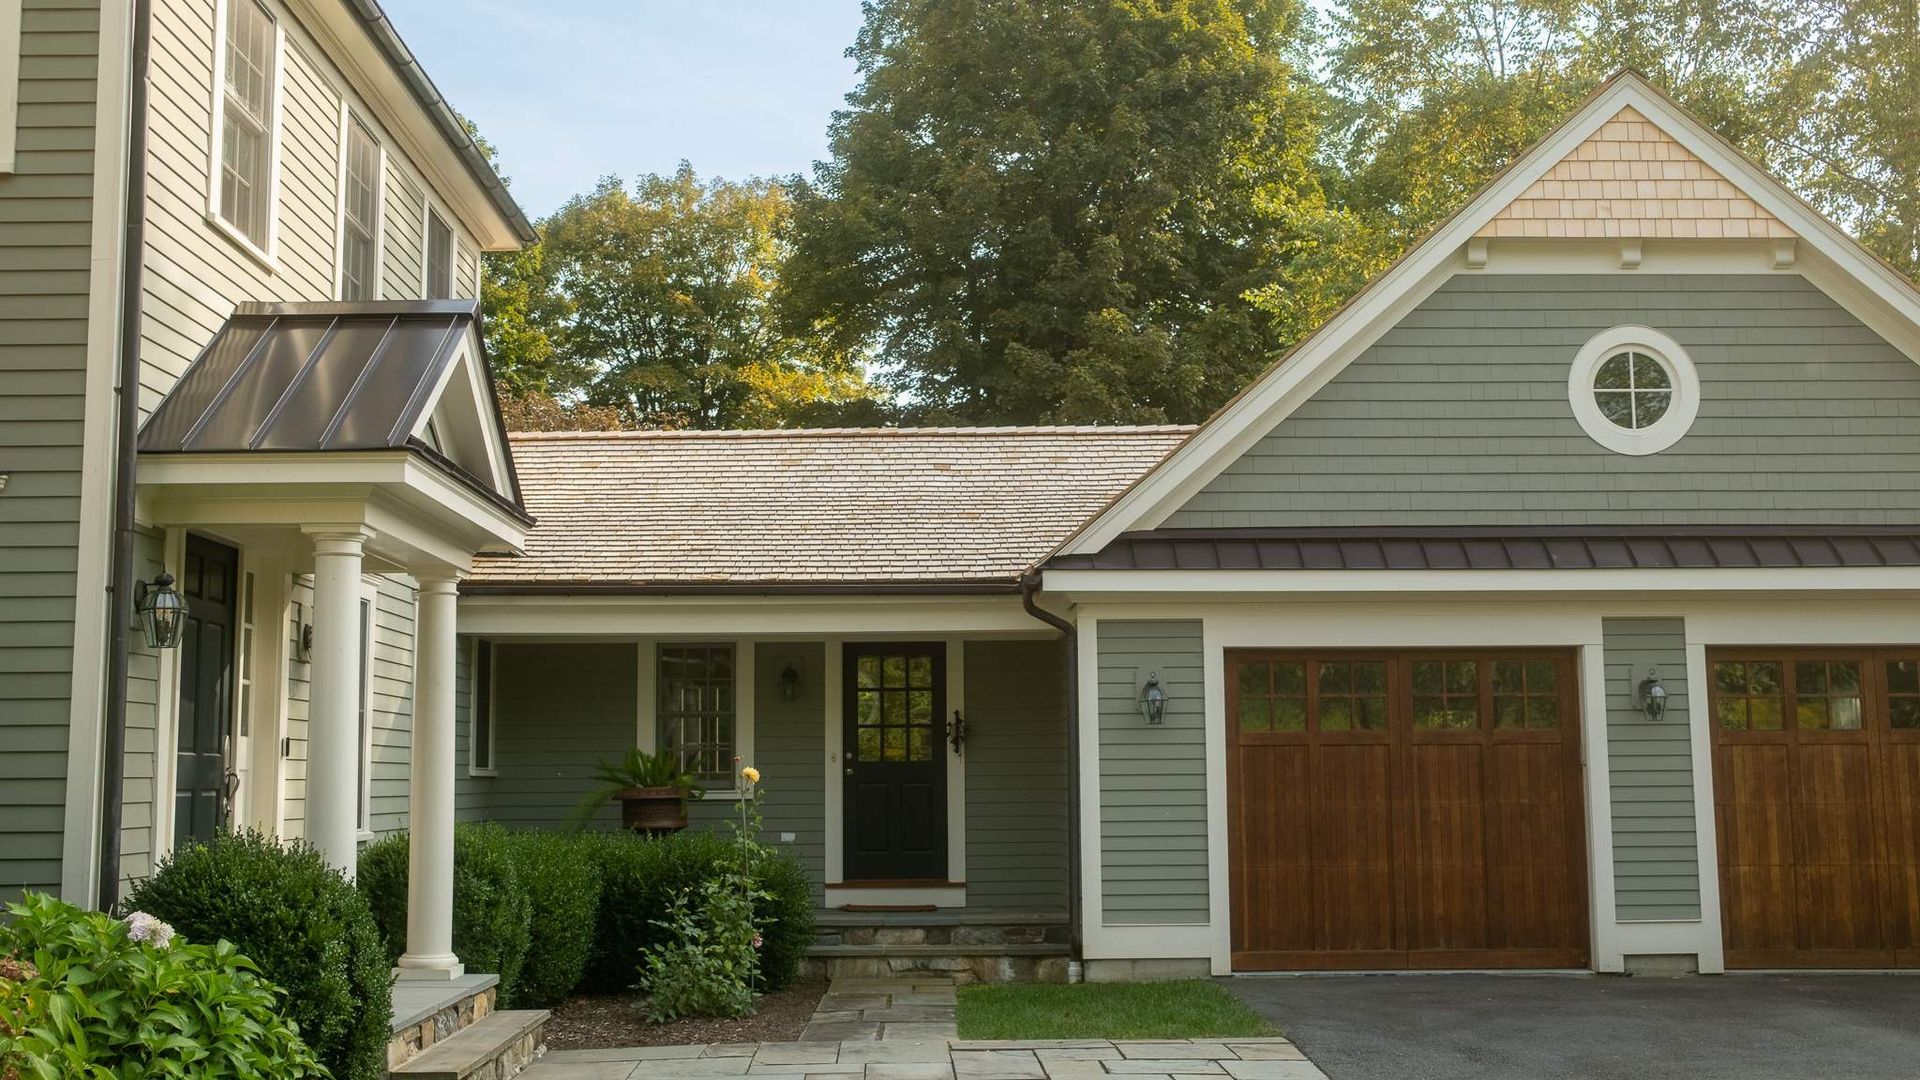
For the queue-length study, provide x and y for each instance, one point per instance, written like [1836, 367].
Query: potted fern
[652, 788]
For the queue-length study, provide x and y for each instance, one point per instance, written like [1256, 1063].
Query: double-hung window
[439, 257]
[245, 179]
[697, 717]
[360, 214]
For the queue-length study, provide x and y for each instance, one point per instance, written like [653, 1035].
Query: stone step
[493, 1048]
[943, 933]
[964, 964]
[1033, 949]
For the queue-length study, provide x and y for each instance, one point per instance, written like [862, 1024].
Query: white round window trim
[1665, 351]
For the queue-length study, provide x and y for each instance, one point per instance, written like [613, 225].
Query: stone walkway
[903, 1029]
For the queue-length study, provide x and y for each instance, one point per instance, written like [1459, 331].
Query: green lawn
[1194, 1009]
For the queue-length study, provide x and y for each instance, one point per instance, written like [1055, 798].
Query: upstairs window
[360, 214]
[1634, 390]
[439, 257]
[246, 122]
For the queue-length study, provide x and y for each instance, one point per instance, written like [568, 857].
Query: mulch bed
[598, 1021]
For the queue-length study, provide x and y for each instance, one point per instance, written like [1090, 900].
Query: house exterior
[241, 249]
[1550, 607]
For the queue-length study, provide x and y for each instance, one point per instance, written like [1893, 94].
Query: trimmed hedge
[641, 875]
[563, 890]
[491, 912]
[301, 923]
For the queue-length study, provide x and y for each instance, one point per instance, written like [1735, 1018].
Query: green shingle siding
[1016, 758]
[1459, 416]
[1153, 778]
[1656, 871]
[789, 740]
[46, 209]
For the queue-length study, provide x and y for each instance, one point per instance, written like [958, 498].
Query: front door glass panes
[893, 708]
[1446, 694]
[1633, 390]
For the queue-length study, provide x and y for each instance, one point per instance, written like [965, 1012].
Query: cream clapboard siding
[403, 264]
[46, 215]
[299, 694]
[390, 704]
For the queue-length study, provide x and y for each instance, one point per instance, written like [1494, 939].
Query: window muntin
[246, 121]
[439, 257]
[360, 215]
[697, 708]
[1632, 389]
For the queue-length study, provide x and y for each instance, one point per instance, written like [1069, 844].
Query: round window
[1634, 390]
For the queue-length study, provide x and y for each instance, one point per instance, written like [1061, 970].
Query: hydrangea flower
[144, 927]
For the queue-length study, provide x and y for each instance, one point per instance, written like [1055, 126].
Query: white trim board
[1879, 295]
[10, 14]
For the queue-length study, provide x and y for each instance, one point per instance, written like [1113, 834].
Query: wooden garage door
[1405, 810]
[1816, 776]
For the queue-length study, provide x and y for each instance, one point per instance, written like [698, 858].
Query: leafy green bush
[785, 913]
[563, 891]
[710, 961]
[491, 912]
[83, 994]
[302, 924]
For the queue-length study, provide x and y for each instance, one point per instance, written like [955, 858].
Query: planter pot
[653, 810]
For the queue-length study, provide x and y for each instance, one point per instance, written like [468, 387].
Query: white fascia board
[503, 617]
[1253, 585]
[1382, 304]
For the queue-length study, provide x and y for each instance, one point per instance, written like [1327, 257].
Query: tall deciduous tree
[1057, 210]
[656, 300]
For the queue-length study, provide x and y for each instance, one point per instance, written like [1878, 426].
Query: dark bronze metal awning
[1496, 548]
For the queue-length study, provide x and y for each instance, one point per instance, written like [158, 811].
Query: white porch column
[429, 952]
[333, 716]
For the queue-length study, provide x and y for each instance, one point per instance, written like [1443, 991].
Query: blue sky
[571, 90]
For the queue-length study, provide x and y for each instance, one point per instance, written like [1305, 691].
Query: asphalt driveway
[1540, 1027]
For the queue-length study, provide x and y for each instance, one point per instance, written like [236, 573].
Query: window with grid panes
[696, 711]
[246, 121]
[359, 225]
[893, 708]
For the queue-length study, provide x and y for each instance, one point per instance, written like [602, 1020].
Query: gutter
[127, 392]
[1029, 585]
[381, 30]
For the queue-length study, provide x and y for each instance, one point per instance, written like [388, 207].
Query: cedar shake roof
[844, 509]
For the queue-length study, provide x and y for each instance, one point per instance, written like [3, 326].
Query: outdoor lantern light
[162, 612]
[1153, 699]
[790, 682]
[1651, 696]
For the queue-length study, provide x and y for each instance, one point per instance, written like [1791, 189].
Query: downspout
[1029, 585]
[120, 590]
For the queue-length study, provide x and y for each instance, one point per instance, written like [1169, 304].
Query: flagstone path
[903, 1029]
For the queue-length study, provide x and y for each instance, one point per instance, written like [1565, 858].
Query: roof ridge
[852, 432]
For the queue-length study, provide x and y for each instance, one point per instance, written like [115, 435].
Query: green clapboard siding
[46, 209]
[1459, 416]
[1656, 870]
[1153, 779]
[561, 709]
[472, 795]
[789, 742]
[1016, 757]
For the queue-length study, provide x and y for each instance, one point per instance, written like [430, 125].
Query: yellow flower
[752, 774]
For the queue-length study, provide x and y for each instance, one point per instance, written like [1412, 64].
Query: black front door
[206, 689]
[896, 762]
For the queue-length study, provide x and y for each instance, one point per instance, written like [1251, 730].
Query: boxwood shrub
[491, 911]
[302, 924]
[563, 891]
[641, 875]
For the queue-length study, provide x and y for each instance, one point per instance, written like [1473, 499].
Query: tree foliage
[1055, 211]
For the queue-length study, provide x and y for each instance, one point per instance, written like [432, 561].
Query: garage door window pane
[1353, 695]
[1748, 695]
[1446, 695]
[1827, 695]
[1903, 693]
[1272, 696]
[1526, 695]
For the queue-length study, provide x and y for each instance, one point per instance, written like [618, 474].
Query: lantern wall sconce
[162, 611]
[1153, 699]
[790, 680]
[1650, 697]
